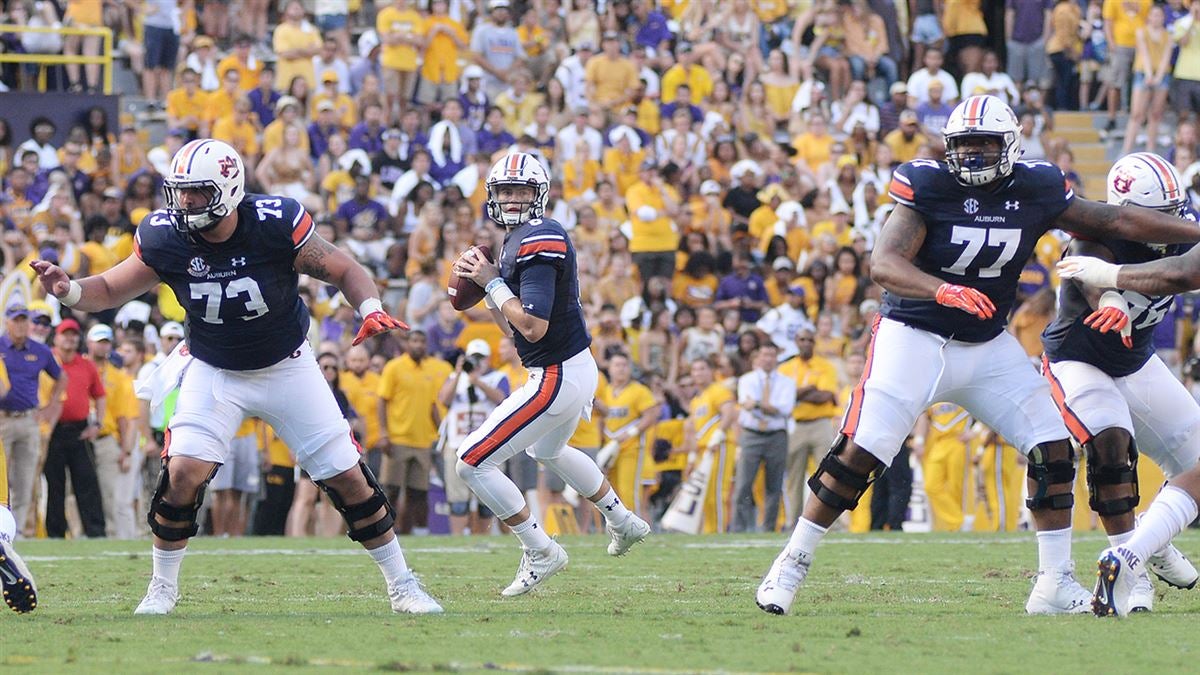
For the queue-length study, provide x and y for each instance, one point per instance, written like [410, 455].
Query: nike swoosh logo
[9, 578]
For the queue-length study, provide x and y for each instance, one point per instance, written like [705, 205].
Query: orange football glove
[1108, 319]
[376, 323]
[965, 298]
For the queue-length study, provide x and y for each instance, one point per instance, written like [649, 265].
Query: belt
[16, 413]
[766, 432]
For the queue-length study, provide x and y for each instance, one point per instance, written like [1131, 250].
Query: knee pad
[355, 512]
[842, 474]
[1104, 471]
[1045, 473]
[183, 514]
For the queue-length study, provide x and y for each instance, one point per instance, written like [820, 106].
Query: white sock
[8, 525]
[1054, 548]
[806, 536]
[611, 507]
[167, 564]
[391, 561]
[1115, 540]
[532, 536]
[1170, 512]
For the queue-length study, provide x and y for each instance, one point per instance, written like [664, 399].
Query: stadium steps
[1082, 131]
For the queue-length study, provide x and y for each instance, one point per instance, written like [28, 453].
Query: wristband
[491, 285]
[370, 306]
[499, 293]
[74, 292]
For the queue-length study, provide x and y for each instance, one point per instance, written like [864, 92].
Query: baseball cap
[329, 76]
[285, 101]
[203, 41]
[898, 88]
[99, 333]
[325, 105]
[797, 289]
[648, 164]
[710, 187]
[112, 192]
[782, 264]
[498, 4]
[585, 46]
[472, 72]
[610, 35]
[393, 134]
[839, 208]
[17, 310]
[480, 347]
[908, 116]
[171, 329]
[367, 42]
[68, 324]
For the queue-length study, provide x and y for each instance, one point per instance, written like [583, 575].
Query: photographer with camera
[470, 394]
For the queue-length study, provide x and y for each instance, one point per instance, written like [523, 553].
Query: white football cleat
[536, 567]
[160, 598]
[625, 535]
[778, 588]
[19, 589]
[1117, 574]
[408, 597]
[1173, 567]
[1141, 598]
[1057, 592]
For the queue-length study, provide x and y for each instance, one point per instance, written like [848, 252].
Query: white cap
[710, 187]
[366, 42]
[134, 310]
[743, 167]
[100, 332]
[472, 71]
[172, 329]
[480, 347]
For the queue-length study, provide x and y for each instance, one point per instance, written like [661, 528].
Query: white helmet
[215, 169]
[982, 116]
[517, 168]
[1147, 180]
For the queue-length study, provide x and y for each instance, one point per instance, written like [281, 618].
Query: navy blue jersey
[974, 237]
[531, 252]
[243, 308]
[1068, 339]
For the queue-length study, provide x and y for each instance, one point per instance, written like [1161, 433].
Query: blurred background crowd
[722, 168]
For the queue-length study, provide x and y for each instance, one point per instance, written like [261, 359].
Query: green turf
[890, 603]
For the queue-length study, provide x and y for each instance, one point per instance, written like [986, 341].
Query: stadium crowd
[723, 169]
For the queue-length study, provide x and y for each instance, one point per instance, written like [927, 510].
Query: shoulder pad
[547, 242]
[909, 177]
[1042, 173]
[282, 215]
[148, 232]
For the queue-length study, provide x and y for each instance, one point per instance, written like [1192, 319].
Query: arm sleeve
[537, 289]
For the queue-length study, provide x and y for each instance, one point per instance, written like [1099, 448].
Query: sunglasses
[328, 367]
[42, 322]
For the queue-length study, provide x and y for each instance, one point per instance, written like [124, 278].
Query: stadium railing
[104, 58]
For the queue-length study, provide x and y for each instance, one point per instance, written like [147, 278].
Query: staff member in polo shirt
[25, 359]
[766, 398]
[113, 447]
[70, 442]
[815, 413]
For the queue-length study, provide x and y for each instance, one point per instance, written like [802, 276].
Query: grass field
[891, 603]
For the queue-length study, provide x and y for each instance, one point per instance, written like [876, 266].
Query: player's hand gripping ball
[464, 292]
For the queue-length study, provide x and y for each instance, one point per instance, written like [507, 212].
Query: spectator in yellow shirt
[241, 60]
[814, 147]
[186, 104]
[906, 139]
[610, 77]
[343, 104]
[519, 103]
[295, 43]
[686, 71]
[287, 113]
[220, 102]
[402, 31]
[624, 158]
[445, 38]
[652, 205]
[238, 130]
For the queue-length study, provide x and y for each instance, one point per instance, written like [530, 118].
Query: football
[465, 293]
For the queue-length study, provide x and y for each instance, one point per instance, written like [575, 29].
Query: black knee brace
[841, 473]
[182, 514]
[1045, 473]
[1101, 473]
[356, 512]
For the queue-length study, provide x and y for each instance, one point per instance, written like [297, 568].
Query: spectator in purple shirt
[493, 137]
[889, 112]
[652, 27]
[742, 290]
[360, 209]
[322, 128]
[933, 114]
[1026, 21]
[368, 134]
[264, 97]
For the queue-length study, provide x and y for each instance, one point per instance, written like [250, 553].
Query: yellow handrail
[105, 58]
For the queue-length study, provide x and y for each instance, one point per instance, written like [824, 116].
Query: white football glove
[1091, 271]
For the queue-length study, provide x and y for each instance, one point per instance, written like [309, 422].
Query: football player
[234, 260]
[532, 291]
[1122, 566]
[1115, 394]
[949, 258]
